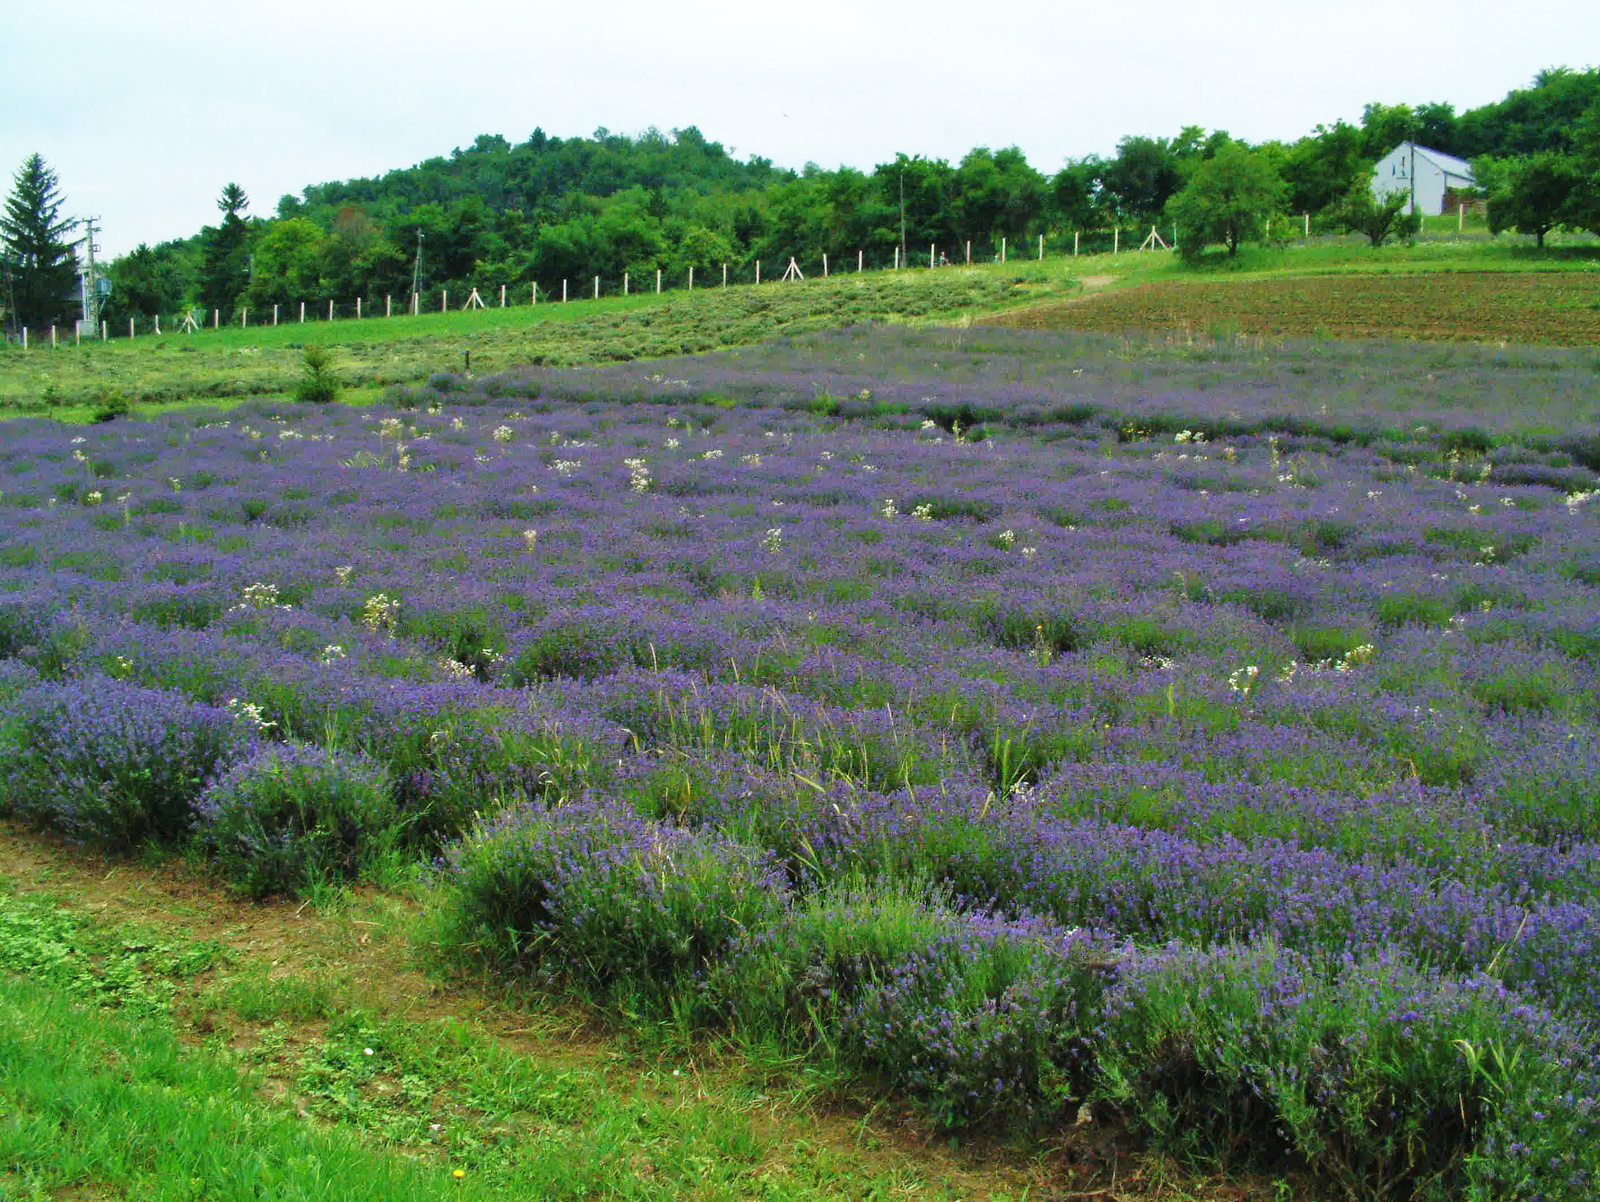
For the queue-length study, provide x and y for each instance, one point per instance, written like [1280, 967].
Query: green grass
[373, 353]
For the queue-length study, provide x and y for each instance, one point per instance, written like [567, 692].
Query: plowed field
[1558, 308]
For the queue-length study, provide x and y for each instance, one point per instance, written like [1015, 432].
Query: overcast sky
[145, 111]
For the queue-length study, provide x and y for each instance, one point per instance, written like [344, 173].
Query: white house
[1423, 175]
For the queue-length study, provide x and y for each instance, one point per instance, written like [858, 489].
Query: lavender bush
[112, 762]
[294, 815]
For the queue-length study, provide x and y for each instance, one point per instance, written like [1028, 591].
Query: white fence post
[969, 252]
[1116, 238]
[658, 281]
[758, 271]
[1074, 242]
[563, 292]
[274, 314]
[1041, 248]
[216, 319]
[691, 278]
[77, 332]
[824, 264]
[1002, 248]
[358, 308]
[535, 292]
[24, 337]
[502, 296]
[724, 275]
[860, 254]
[597, 287]
[444, 301]
[388, 305]
[330, 310]
[130, 330]
[624, 283]
[930, 256]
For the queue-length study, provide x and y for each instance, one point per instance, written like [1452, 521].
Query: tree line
[552, 208]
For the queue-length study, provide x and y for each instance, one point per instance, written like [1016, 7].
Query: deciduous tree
[1229, 199]
[1363, 213]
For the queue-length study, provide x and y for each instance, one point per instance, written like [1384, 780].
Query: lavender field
[1198, 735]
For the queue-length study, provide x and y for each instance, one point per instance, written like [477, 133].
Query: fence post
[302, 313]
[330, 310]
[157, 320]
[358, 308]
[859, 255]
[416, 304]
[691, 279]
[274, 314]
[597, 287]
[1461, 217]
[824, 264]
[1308, 225]
[1041, 248]
[77, 332]
[535, 300]
[130, 330]
[1074, 243]
[724, 275]
[244, 317]
[502, 296]
[563, 292]
[216, 319]
[758, 271]
[1002, 248]
[969, 252]
[103, 334]
[930, 256]
[1116, 238]
[897, 258]
[52, 338]
[388, 306]
[24, 337]
[624, 283]
[444, 301]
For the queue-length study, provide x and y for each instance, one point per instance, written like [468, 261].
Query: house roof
[1448, 163]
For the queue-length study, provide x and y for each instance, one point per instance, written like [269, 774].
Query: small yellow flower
[459, 1174]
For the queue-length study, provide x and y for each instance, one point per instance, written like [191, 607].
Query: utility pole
[91, 285]
[902, 210]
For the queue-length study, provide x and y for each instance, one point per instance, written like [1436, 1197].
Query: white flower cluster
[260, 596]
[638, 474]
[380, 613]
[773, 540]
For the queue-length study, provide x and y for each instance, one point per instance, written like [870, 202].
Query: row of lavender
[1091, 759]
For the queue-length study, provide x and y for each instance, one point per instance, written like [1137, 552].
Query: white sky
[146, 110]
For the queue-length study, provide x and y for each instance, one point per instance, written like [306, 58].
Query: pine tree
[224, 275]
[41, 267]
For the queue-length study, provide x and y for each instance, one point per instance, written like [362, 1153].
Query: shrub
[295, 815]
[319, 385]
[113, 762]
[619, 908]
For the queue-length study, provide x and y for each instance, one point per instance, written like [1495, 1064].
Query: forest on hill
[552, 208]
